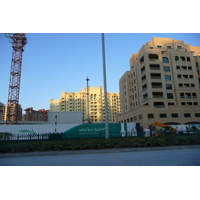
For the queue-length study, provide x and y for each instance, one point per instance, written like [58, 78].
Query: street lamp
[105, 86]
[88, 116]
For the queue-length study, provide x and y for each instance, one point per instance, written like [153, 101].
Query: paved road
[157, 157]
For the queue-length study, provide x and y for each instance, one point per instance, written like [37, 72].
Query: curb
[96, 151]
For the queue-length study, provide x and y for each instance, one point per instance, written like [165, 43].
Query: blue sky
[60, 62]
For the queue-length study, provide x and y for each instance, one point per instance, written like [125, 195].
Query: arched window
[165, 60]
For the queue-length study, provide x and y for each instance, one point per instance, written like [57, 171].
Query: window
[142, 59]
[197, 114]
[170, 95]
[180, 85]
[174, 115]
[182, 95]
[154, 67]
[194, 95]
[166, 69]
[179, 47]
[167, 77]
[153, 57]
[183, 103]
[144, 87]
[157, 95]
[176, 58]
[182, 58]
[169, 47]
[170, 103]
[159, 105]
[159, 47]
[178, 68]
[150, 116]
[165, 60]
[144, 78]
[155, 76]
[188, 58]
[187, 115]
[183, 67]
[143, 69]
[186, 85]
[163, 115]
[168, 86]
[156, 85]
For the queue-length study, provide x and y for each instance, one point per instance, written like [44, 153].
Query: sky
[60, 62]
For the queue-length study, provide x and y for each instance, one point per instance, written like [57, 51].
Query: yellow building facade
[90, 101]
[162, 85]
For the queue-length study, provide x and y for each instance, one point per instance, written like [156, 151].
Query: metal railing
[30, 136]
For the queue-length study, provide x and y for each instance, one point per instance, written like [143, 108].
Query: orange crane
[18, 41]
[168, 130]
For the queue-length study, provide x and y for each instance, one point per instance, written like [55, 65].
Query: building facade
[5, 111]
[33, 115]
[1, 111]
[90, 101]
[163, 84]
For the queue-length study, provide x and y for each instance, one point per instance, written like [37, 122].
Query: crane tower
[18, 41]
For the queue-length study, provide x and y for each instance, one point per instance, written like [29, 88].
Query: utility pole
[105, 87]
[18, 41]
[88, 114]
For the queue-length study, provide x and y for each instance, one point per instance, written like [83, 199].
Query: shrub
[81, 144]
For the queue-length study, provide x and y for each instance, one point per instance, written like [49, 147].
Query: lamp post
[88, 116]
[105, 86]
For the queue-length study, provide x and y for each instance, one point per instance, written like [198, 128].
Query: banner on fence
[98, 130]
[76, 130]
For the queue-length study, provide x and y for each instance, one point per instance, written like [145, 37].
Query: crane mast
[18, 41]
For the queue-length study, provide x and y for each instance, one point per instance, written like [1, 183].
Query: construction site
[18, 41]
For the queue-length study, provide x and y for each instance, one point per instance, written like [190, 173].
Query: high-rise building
[163, 84]
[90, 102]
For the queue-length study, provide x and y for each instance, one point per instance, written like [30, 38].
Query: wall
[47, 128]
[65, 117]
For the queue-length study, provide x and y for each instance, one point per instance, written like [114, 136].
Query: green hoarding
[98, 130]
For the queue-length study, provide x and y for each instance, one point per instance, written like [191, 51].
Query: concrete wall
[47, 128]
[65, 117]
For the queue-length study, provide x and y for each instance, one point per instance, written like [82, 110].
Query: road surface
[147, 157]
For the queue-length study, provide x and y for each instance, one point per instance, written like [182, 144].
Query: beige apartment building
[163, 84]
[90, 101]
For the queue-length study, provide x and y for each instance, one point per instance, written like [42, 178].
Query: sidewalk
[96, 151]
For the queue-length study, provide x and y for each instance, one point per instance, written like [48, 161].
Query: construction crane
[18, 41]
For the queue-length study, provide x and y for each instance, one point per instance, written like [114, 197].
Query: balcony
[155, 77]
[159, 105]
